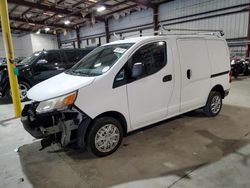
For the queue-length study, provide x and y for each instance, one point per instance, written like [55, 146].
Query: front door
[149, 95]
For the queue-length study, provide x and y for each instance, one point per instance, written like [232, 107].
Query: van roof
[139, 39]
[69, 49]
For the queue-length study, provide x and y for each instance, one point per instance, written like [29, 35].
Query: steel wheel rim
[107, 138]
[216, 104]
[23, 89]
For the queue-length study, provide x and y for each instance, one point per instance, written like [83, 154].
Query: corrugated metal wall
[231, 16]
[234, 25]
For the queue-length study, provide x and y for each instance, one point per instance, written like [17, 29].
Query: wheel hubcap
[107, 138]
[216, 104]
[23, 89]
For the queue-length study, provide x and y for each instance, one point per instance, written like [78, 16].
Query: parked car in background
[18, 59]
[126, 85]
[39, 67]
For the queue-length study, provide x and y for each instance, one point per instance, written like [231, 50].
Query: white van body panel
[194, 58]
[218, 53]
[102, 98]
[149, 100]
[58, 85]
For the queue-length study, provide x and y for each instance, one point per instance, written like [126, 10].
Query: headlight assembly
[58, 103]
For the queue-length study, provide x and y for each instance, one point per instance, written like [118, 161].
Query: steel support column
[9, 51]
[78, 37]
[107, 30]
[248, 34]
[155, 18]
[58, 40]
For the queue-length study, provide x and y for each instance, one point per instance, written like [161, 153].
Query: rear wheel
[213, 105]
[105, 136]
[23, 89]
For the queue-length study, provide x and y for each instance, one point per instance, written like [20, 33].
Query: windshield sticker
[120, 50]
[105, 69]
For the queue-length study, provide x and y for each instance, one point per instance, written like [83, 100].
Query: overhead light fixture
[47, 29]
[32, 24]
[116, 16]
[38, 31]
[83, 14]
[66, 22]
[59, 15]
[48, 14]
[101, 8]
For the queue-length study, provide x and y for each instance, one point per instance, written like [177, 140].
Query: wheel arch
[219, 88]
[7, 83]
[118, 116]
[86, 125]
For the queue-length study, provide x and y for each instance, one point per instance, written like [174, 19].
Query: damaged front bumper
[56, 126]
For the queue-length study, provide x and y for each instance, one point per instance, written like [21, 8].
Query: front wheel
[213, 105]
[105, 136]
[23, 89]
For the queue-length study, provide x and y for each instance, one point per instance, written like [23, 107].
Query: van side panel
[195, 73]
[173, 58]
[100, 97]
[220, 62]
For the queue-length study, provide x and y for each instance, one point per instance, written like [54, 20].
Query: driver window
[152, 56]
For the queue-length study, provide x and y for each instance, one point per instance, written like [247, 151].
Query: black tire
[246, 73]
[209, 109]
[22, 83]
[96, 126]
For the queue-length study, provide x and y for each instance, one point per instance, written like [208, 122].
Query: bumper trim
[35, 132]
[226, 92]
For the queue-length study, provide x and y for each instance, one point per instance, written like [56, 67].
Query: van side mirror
[137, 70]
[41, 62]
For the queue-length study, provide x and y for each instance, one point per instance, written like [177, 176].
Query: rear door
[195, 73]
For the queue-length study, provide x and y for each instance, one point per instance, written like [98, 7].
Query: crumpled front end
[55, 126]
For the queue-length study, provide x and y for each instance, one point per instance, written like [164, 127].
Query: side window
[152, 56]
[53, 58]
[74, 56]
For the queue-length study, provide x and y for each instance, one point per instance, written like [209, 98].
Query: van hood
[58, 85]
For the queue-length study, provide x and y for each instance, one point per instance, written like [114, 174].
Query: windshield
[30, 59]
[99, 60]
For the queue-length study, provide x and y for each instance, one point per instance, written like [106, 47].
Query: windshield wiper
[78, 73]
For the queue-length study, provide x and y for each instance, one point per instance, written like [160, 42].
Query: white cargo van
[126, 85]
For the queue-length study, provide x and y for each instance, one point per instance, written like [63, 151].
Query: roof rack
[218, 33]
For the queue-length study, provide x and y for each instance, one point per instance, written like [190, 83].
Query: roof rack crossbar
[199, 31]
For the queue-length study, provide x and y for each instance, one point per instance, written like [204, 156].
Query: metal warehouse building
[125, 93]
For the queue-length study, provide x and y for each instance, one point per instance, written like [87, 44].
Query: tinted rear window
[75, 56]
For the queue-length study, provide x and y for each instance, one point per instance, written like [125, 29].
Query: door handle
[189, 73]
[167, 78]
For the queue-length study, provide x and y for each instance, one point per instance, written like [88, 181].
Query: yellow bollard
[9, 51]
